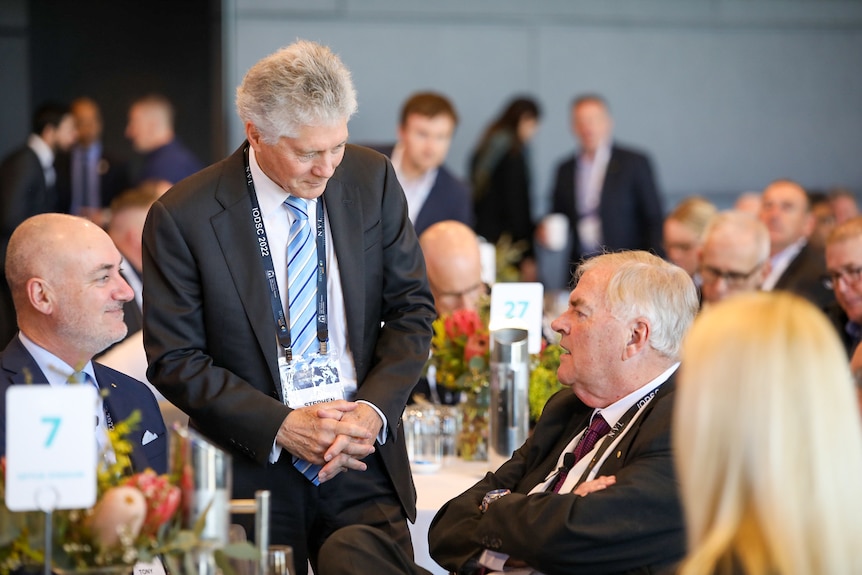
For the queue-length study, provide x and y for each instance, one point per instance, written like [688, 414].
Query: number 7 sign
[50, 447]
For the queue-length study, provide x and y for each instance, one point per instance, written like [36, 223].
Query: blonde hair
[767, 441]
[694, 213]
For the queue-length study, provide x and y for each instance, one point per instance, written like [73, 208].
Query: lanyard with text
[617, 430]
[282, 319]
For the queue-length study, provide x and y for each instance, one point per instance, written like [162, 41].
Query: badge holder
[309, 380]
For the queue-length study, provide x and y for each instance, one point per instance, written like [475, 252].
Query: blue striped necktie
[302, 287]
[301, 296]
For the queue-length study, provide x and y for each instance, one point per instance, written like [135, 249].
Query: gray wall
[726, 95]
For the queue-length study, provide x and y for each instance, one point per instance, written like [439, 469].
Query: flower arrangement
[459, 350]
[136, 518]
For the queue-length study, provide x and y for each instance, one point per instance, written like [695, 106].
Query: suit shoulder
[361, 163]
[445, 178]
[628, 153]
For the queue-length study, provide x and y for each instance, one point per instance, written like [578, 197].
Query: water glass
[279, 560]
[423, 438]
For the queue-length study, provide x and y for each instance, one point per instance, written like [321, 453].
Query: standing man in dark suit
[151, 131]
[434, 194]
[607, 191]
[28, 187]
[64, 272]
[795, 265]
[593, 490]
[220, 317]
[89, 176]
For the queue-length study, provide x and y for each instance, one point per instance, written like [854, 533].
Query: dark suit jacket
[23, 193]
[504, 207]
[449, 199]
[630, 208]
[113, 178]
[124, 396]
[634, 526]
[804, 277]
[209, 329]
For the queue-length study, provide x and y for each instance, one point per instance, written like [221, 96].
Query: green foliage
[543, 379]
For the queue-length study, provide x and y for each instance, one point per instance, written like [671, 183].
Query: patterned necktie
[301, 295]
[106, 451]
[302, 287]
[598, 429]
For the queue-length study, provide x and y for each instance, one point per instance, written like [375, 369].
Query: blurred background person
[748, 202]
[795, 265]
[89, 176]
[128, 214]
[453, 265]
[434, 194]
[151, 131]
[768, 442]
[683, 233]
[608, 191]
[454, 268]
[501, 180]
[844, 278]
[824, 218]
[28, 186]
[734, 257]
[844, 205]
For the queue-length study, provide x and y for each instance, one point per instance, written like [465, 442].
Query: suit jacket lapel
[574, 417]
[234, 232]
[346, 221]
[119, 407]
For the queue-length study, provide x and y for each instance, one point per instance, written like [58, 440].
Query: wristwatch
[492, 496]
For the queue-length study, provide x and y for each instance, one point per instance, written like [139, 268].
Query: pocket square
[148, 437]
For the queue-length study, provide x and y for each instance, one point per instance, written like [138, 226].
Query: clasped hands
[336, 434]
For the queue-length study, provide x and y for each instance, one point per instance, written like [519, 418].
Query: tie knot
[297, 206]
[599, 426]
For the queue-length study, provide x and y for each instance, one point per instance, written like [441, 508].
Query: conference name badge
[309, 380]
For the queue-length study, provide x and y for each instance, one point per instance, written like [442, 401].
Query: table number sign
[50, 447]
[518, 305]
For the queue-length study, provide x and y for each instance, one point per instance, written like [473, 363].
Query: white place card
[50, 447]
[518, 305]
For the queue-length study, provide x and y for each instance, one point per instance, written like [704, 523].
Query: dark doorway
[117, 50]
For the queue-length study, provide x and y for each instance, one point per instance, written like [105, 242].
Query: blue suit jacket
[449, 199]
[125, 394]
[630, 207]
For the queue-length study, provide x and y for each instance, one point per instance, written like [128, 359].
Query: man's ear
[40, 295]
[639, 332]
[252, 134]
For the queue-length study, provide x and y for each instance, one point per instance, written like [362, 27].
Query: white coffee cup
[556, 227]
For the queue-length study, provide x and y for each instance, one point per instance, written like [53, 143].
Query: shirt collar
[42, 150]
[56, 371]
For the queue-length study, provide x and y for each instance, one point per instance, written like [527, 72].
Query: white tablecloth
[433, 490]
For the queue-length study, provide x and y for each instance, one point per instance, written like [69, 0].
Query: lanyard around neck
[616, 430]
[282, 318]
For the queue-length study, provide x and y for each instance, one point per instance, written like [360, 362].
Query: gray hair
[742, 225]
[304, 84]
[644, 285]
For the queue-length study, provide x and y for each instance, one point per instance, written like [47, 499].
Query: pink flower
[120, 510]
[463, 322]
[477, 346]
[162, 498]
